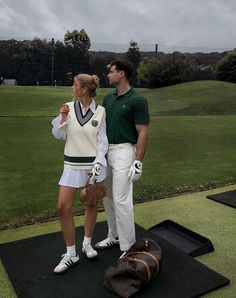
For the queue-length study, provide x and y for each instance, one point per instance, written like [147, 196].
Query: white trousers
[119, 201]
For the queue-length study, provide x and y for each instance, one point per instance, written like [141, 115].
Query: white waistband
[122, 145]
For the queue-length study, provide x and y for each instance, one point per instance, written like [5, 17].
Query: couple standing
[119, 131]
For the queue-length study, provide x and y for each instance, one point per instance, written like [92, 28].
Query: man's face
[115, 76]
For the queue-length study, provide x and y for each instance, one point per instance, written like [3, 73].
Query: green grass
[194, 98]
[35, 101]
[212, 220]
[185, 154]
[189, 153]
[191, 147]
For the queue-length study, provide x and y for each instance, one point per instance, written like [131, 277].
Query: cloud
[187, 23]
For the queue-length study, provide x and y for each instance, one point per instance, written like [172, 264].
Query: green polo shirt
[122, 114]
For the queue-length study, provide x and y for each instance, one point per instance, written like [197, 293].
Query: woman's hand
[96, 171]
[64, 110]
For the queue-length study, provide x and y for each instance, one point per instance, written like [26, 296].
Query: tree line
[42, 62]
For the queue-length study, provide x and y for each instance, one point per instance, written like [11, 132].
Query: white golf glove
[96, 171]
[135, 171]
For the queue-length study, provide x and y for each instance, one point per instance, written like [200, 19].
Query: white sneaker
[106, 243]
[88, 250]
[66, 262]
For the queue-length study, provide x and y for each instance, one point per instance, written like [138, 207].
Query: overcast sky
[179, 23]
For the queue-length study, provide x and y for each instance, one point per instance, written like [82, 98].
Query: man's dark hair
[123, 65]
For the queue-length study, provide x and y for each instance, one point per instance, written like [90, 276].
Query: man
[127, 122]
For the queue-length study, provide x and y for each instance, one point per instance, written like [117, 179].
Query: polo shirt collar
[127, 94]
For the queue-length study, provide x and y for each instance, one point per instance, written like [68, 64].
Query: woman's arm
[102, 144]
[59, 123]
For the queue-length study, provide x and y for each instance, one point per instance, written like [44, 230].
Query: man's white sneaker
[106, 243]
[66, 262]
[88, 250]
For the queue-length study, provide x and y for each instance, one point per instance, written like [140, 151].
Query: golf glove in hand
[135, 171]
[96, 171]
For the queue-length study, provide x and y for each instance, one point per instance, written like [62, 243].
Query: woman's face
[77, 90]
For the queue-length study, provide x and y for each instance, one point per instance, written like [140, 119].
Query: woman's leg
[89, 225]
[90, 220]
[65, 201]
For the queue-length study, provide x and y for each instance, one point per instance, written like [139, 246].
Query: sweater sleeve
[102, 144]
[58, 129]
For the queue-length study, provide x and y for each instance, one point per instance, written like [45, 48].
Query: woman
[82, 124]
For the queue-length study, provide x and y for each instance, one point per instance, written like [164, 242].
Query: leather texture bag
[135, 269]
[92, 193]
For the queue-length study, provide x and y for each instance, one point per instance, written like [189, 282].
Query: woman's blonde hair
[91, 82]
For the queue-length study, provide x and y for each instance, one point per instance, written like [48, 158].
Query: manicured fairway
[188, 151]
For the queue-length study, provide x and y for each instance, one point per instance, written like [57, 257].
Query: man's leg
[109, 206]
[123, 194]
[108, 203]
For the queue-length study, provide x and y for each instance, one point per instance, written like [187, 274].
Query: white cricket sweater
[81, 136]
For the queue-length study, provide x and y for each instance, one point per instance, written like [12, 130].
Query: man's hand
[96, 171]
[135, 171]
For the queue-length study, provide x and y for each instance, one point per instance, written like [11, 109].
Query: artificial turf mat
[30, 262]
[186, 240]
[228, 198]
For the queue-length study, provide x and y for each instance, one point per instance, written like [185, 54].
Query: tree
[226, 68]
[148, 72]
[172, 69]
[61, 64]
[133, 55]
[78, 44]
[78, 39]
[98, 66]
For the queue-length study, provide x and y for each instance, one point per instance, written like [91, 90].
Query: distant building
[9, 82]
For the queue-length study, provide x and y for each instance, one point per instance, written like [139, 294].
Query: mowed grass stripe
[185, 154]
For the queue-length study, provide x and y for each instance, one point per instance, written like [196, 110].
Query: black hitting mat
[185, 239]
[30, 264]
[227, 198]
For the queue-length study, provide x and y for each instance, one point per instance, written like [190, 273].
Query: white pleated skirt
[78, 178]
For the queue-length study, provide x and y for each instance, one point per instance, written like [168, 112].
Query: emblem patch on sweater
[94, 123]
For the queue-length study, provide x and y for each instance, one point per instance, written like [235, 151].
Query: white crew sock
[87, 240]
[71, 250]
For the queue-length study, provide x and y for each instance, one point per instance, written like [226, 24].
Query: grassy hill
[191, 147]
[193, 98]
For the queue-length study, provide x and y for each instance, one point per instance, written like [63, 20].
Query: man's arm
[142, 141]
[135, 171]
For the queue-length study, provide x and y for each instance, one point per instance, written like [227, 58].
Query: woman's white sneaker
[66, 262]
[88, 250]
[106, 243]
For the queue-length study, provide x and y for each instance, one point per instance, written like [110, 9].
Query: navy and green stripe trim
[81, 160]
